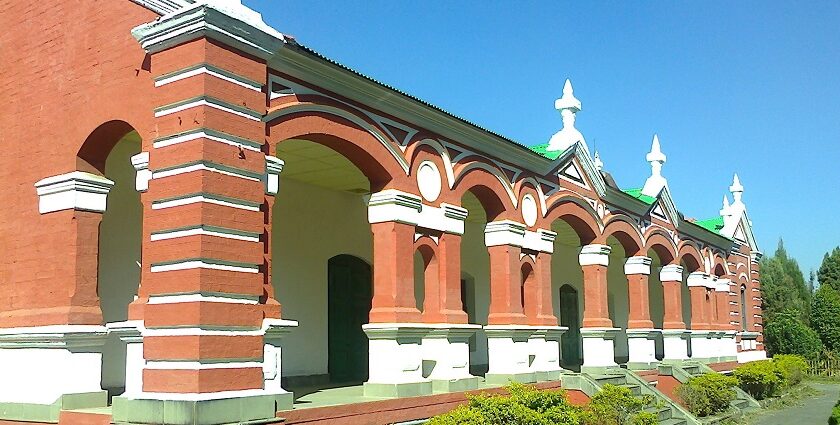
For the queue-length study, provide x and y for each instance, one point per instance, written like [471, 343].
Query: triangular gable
[575, 165]
[744, 232]
[664, 208]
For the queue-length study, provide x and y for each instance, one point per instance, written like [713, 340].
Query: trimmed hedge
[708, 394]
[526, 405]
[760, 379]
[793, 368]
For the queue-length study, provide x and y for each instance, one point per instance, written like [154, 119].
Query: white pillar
[675, 343]
[445, 351]
[131, 334]
[508, 354]
[396, 360]
[544, 343]
[274, 330]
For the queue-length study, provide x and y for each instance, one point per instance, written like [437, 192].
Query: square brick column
[674, 335]
[597, 333]
[641, 336]
[204, 265]
[701, 286]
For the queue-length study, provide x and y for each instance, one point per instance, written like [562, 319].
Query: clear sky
[746, 87]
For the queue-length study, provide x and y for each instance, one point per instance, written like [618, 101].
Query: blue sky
[746, 87]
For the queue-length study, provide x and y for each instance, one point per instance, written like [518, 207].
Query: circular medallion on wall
[529, 210]
[428, 180]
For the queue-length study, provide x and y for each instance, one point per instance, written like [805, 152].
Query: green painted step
[610, 379]
[662, 413]
[634, 389]
[674, 421]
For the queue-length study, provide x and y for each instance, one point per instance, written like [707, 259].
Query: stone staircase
[685, 370]
[668, 412]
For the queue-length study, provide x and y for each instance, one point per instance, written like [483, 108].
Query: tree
[829, 273]
[786, 334]
[825, 316]
[783, 286]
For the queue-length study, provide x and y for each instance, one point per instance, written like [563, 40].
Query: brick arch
[626, 232]
[689, 254]
[528, 283]
[353, 137]
[487, 186]
[578, 214]
[97, 146]
[718, 265]
[660, 242]
[431, 149]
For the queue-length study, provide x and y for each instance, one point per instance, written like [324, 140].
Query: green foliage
[825, 312]
[708, 394]
[834, 419]
[783, 286]
[786, 334]
[526, 405]
[829, 272]
[761, 379]
[793, 368]
[615, 405]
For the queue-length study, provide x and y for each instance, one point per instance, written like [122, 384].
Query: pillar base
[703, 347]
[205, 409]
[544, 343]
[729, 346]
[506, 378]
[396, 360]
[45, 365]
[675, 343]
[518, 352]
[37, 412]
[598, 347]
[641, 345]
[445, 352]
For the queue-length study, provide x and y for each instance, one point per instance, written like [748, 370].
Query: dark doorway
[349, 294]
[569, 317]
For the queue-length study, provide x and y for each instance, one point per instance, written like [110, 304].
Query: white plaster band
[508, 232]
[203, 264]
[722, 285]
[188, 168]
[637, 265]
[164, 111]
[273, 167]
[207, 231]
[199, 396]
[402, 207]
[193, 298]
[671, 273]
[208, 70]
[209, 135]
[269, 326]
[594, 255]
[193, 365]
[697, 279]
[76, 190]
[217, 200]
[141, 167]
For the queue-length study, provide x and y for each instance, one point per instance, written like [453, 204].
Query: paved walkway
[812, 411]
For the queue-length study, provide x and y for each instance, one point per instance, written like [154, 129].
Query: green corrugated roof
[637, 193]
[544, 152]
[711, 224]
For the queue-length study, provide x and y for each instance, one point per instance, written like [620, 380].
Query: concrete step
[634, 389]
[740, 403]
[610, 379]
[673, 421]
[662, 414]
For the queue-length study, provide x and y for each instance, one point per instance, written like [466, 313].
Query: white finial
[737, 189]
[599, 165]
[656, 158]
[735, 211]
[568, 105]
[725, 211]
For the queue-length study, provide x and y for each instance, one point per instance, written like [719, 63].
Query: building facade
[189, 193]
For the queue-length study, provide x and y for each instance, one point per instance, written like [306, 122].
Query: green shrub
[793, 368]
[834, 419]
[708, 394]
[760, 379]
[523, 405]
[614, 405]
[786, 334]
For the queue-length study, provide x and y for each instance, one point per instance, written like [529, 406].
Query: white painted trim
[671, 273]
[697, 279]
[140, 162]
[199, 396]
[193, 298]
[273, 167]
[201, 198]
[198, 167]
[267, 325]
[722, 285]
[203, 102]
[203, 70]
[594, 254]
[159, 236]
[191, 365]
[637, 265]
[199, 264]
[402, 207]
[201, 135]
[76, 190]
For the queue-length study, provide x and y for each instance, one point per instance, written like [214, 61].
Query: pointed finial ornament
[656, 158]
[726, 210]
[599, 165]
[737, 190]
[568, 105]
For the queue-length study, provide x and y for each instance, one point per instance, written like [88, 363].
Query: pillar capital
[140, 162]
[408, 208]
[637, 265]
[722, 285]
[671, 273]
[594, 254]
[509, 232]
[698, 279]
[76, 190]
[273, 167]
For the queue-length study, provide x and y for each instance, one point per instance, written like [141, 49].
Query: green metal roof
[542, 150]
[637, 193]
[711, 224]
